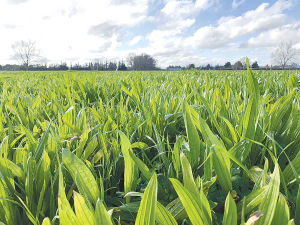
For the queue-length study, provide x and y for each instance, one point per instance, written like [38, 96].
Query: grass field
[191, 147]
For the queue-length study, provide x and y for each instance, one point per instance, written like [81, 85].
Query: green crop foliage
[191, 147]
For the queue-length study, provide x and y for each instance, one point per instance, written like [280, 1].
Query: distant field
[188, 147]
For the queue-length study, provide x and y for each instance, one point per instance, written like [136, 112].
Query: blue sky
[175, 32]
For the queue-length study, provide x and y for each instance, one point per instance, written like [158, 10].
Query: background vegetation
[192, 147]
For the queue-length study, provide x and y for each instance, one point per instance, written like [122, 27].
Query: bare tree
[284, 54]
[26, 52]
[130, 59]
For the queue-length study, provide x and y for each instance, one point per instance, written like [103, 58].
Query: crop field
[190, 147]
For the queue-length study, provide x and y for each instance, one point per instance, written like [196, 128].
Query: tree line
[239, 65]
[28, 56]
[100, 66]
[139, 62]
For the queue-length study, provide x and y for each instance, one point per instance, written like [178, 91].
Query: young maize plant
[189, 147]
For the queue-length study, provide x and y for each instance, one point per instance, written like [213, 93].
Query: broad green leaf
[191, 204]
[176, 155]
[192, 134]
[288, 172]
[42, 143]
[291, 222]
[85, 182]
[90, 148]
[191, 186]
[231, 129]
[188, 179]
[163, 216]
[7, 209]
[130, 169]
[16, 170]
[268, 205]
[147, 210]
[101, 214]
[230, 212]
[161, 147]
[297, 216]
[46, 221]
[66, 214]
[83, 212]
[142, 167]
[252, 200]
[139, 145]
[282, 212]
[222, 168]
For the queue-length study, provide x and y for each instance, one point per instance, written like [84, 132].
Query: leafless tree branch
[285, 54]
[26, 52]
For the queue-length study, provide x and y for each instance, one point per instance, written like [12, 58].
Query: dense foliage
[192, 147]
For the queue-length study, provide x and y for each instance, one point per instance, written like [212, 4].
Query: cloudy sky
[175, 32]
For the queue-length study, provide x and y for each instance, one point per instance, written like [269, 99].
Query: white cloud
[297, 46]
[15, 2]
[229, 28]
[81, 30]
[271, 38]
[186, 7]
[135, 40]
[179, 15]
[89, 27]
[237, 3]
[167, 43]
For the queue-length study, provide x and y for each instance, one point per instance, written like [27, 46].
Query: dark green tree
[228, 65]
[255, 65]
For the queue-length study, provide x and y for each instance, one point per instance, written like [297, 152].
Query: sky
[174, 32]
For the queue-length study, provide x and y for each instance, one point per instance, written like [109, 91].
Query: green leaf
[130, 169]
[222, 168]
[46, 221]
[192, 134]
[142, 167]
[42, 143]
[83, 213]
[208, 135]
[268, 205]
[7, 209]
[141, 145]
[161, 148]
[163, 216]
[6, 164]
[146, 172]
[282, 212]
[147, 210]
[289, 172]
[91, 147]
[188, 179]
[85, 182]
[252, 200]
[192, 205]
[231, 129]
[291, 222]
[66, 214]
[230, 212]
[190, 185]
[297, 216]
[176, 155]
[101, 214]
